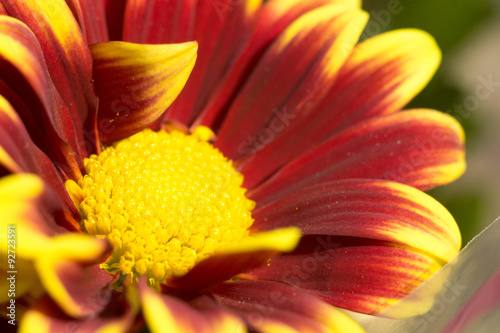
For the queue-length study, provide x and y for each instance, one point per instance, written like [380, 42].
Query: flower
[308, 129]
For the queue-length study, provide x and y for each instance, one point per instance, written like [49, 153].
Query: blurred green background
[467, 33]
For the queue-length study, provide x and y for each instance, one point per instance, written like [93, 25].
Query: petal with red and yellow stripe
[19, 154]
[271, 20]
[366, 244]
[159, 21]
[92, 18]
[294, 74]
[276, 307]
[70, 273]
[221, 28]
[136, 83]
[65, 52]
[371, 209]
[254, 251]
[164, 313]
[401, 62]
[45, 317]
[420, 148]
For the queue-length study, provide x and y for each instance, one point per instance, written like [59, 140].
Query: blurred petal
[137, 83]
[46, 317]
[401, 62]
[420, 148]
[294, 74]
[159, 21]
[19, 154]
[270, 21]
[69, 271]
[92, 18]
[246, 255]
[276, 307]
[367, 209]
[164, 313]
[65, 51]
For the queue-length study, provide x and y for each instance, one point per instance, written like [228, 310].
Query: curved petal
[92, 18]
[164, 313]
[19, 154]
[271, 20]
[293, 76]
[356, 274]
[420, 148]
[137, 83]
[69, 271]
[276, 307]
[28, 86]
[65, 51]
[246, 255]
[401, 62]
[46, 317]
[159, 21]
[367, 209]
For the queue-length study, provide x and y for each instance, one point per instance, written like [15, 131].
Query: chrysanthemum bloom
[287, 139]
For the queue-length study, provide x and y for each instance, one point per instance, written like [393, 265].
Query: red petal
[92, 18]
[367, 209]
[266, 304]
[358, 275]
[293, 76]
[401, 62]
[65, 51]
[159, 21]
[421, 148]
[274, 17]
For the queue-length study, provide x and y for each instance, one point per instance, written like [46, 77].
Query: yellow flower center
[164, 201]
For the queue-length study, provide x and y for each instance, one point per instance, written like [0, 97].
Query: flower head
[282, 181]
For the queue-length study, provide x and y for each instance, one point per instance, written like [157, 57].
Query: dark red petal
[92, 18]
[159, 21]
[115, 14]
[401, 62]
[421, 148]
[270, 305]
[292, 77]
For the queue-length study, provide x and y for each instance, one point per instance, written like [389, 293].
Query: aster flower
[130, 209]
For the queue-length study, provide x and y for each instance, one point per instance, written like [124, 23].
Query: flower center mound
[164, 200]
